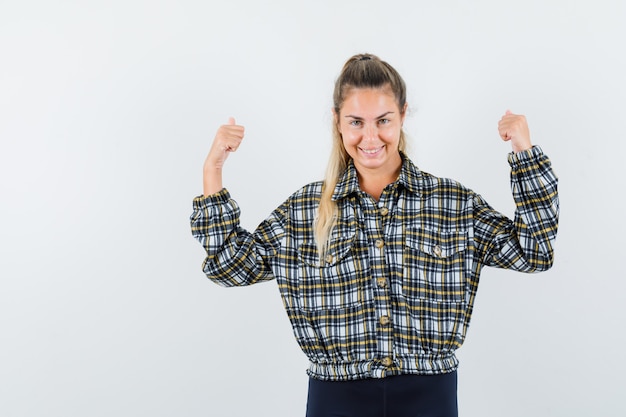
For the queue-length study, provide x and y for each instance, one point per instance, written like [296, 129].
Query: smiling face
[370, 124]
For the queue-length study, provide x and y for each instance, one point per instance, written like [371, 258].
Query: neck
[373, 183]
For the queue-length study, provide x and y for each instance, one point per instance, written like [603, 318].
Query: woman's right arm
[227, 140]
[234, 256]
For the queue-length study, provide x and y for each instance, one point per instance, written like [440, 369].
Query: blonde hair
[360, 71]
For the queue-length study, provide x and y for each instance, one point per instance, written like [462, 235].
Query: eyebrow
[360, 118]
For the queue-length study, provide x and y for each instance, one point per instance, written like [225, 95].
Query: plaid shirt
[396, 290]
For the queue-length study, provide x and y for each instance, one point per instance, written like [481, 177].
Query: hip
[398, 396]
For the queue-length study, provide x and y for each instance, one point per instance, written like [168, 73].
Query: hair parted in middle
[360, 71]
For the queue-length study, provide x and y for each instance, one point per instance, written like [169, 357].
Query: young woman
[378, 265]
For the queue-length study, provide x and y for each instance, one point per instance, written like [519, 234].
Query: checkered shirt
[395, 293]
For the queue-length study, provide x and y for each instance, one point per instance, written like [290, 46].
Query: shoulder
[305, 198]
[310, 190]
[432, 185]
[426, 184]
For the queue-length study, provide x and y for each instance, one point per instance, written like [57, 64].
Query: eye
[384, 121]
[356, 123]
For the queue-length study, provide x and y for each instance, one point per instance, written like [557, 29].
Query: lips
[371, 151]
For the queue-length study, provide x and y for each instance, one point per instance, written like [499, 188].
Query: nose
[370, 132]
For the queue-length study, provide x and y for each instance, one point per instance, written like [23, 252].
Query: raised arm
[235, 257]
[526, 243]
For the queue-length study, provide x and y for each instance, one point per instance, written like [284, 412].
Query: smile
[372, 151]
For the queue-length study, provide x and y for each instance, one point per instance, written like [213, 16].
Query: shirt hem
[346, 371]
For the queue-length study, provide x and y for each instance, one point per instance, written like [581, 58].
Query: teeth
[370, 151]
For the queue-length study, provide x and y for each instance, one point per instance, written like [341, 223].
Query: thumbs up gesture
[514, 128]
[227, 140]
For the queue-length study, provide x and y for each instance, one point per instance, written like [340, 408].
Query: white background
[107, 110]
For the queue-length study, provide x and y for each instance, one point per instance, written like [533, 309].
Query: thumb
[231, 120]
[508, 111]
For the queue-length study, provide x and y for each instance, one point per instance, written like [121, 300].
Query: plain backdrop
[108, 108]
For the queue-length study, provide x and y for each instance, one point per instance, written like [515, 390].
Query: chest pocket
[332, 284]
[434, 266]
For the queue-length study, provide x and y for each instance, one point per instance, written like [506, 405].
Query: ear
[336, 119]
[404, 110]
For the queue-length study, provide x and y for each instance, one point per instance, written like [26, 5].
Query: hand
[514, 128]
[227, 140]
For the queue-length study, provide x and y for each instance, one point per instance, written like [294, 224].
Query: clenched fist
[514, 128]
[227, 140]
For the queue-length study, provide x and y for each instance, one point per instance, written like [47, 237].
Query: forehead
[368, 102]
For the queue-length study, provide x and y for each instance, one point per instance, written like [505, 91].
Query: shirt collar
[410, 178]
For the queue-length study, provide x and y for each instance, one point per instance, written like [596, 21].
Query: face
[370, 123]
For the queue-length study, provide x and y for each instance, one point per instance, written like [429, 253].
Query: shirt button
[329, 259]
[437, 250]
[384, 211]
[379, 243]
[381, 282]
[387, 361]
[384, 320]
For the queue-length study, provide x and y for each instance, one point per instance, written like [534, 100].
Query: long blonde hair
[360, 71]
